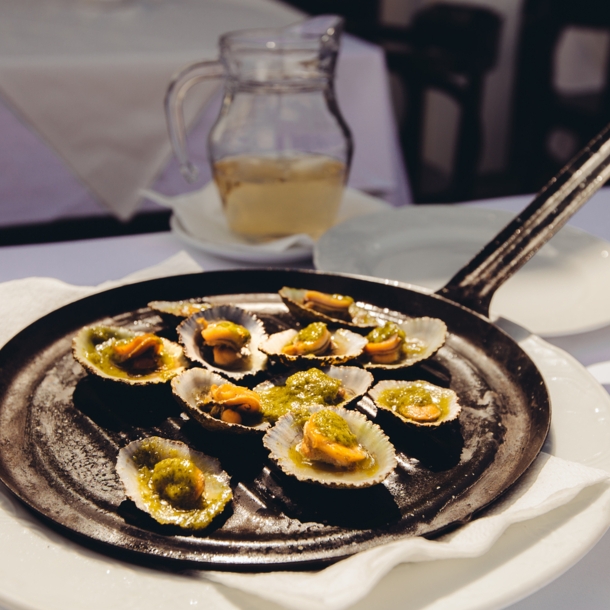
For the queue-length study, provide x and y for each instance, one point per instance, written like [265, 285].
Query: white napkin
[548, 484]
[201, 216]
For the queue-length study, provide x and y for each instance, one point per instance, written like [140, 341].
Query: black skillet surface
[60, 431]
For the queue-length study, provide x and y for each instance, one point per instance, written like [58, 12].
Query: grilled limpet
[225, 339]
[397, 345]
[314, 345]
[217, 404]
[179, 309]
[173, 483]
[334, 309]
[340, 448]
[120, 354]
[418, 403]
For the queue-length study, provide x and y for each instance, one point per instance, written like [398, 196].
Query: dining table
[82, 87]
[580, 582]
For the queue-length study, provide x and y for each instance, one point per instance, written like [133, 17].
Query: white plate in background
[563, 289]
[198, 221]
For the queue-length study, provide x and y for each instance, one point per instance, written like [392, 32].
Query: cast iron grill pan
[60, 429]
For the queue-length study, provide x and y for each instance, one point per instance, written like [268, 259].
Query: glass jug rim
[318, 32]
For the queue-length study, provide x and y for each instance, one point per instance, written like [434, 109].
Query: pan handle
[475, 284]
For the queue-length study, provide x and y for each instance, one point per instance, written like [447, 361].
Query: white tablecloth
[81, 101]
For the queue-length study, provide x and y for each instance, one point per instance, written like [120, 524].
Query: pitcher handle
[174, 98]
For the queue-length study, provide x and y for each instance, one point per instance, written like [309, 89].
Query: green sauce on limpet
[312, 332]
[416, 394]
[152, 451]
[100, 334]
[311, 387]
[179, 482]
[333, 427]
[99, 351]
[413, 346]
[383, 333]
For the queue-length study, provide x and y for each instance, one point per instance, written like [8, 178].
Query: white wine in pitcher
[277, 196]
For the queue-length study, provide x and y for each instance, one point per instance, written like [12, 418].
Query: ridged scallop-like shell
[355, 380]
[345, 345]
[196, 382]
[294, 299]
[217, 491]
[179, 309]
[452, 412]
[189, 334]
[431, 331]
[288, 433]
[88, 352]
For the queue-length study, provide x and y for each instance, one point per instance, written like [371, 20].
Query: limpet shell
[288, 433]
[431, 331]
[179, 309]
[450, 412]
[294, 299]
[195, 382]
[134, 477]
[88, 350]
[189, 334]
[345, 345]
[354, 379]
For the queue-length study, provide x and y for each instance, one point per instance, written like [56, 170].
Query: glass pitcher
[280, 150]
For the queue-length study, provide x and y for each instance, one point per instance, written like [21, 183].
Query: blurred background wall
[504, 103]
